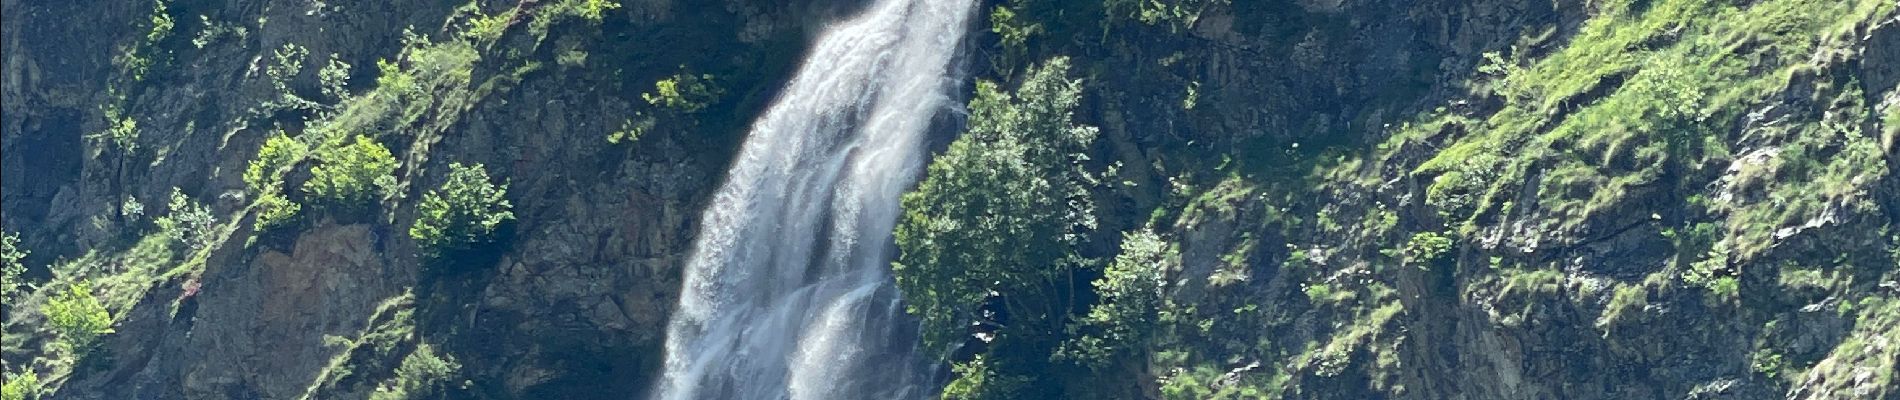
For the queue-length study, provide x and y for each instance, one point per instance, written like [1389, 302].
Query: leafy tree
[353, 174]
[465, 211]
[999, 210]
[78, 317]
[187, 222]
[11, 267]
[1131, 300]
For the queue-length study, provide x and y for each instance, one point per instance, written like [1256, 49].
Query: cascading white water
[788, 293]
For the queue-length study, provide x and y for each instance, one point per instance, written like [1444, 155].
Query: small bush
[121, 135]
[466, 210]
[684, 92]
[267, 170]
[1131, 290]
[979, 380]
[423, 374]
[1427, 248]
[352, 175]
[488, 28]
[212, 32]
[11, 267]
[275, 211]
[22, 386]
[78, 317]
[631, 130]
[265, 179]
[188, 223]
[335, 79]
[132, 209]
[593, 10]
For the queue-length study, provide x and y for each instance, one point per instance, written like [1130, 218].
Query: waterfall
[787, 293]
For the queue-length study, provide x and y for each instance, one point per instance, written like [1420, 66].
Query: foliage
[274, 210]
[999, 210]
[589, 11]
[138, 59]
[352, 174]
[684, 92]
[264, 177]
[266, 172]
[11, 267]
[1506, 75]
[211, 32]
[121, 135]
[488, 28]
[1012, 33]
[1178, 15]
[22, 386]
[162, 23]
[287, 64]
[976, 380]
[1427, 249]
[335, 79]
[187, 222]
[1131, 291]
[631, 130]
[423, 374]
[465, 211]
[593, 10]
[78, 317]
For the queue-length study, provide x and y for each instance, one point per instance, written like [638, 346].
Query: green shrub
[1012, 35]
[267, 170]
[592, 10]
[212, 32]
[187, 223]
[78, 317]
[422, 375]
[488, 28]
[335, 79]
[121, 136]
[274, 211]
[11, 267]
[1507, 75]
[684, 92]
[22, 386]
[466, 210]
[265, 179]
[352, 175]
[979, 380]
[1427, 249]
[631, 130]
[1178, 15]
[1131, 298]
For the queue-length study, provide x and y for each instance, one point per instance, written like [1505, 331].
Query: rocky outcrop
[572, 307]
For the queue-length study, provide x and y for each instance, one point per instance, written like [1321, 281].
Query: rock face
[572, 307]
[1302, 155]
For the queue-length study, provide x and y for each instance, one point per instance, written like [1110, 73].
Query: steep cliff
[573, 304]
[1429, 199]
[1547, 199]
